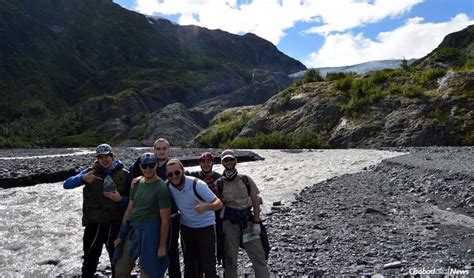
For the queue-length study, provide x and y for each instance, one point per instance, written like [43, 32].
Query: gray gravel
[409, 212]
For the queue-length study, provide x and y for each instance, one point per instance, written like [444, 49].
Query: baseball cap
[147, 158]
[227, 153]
[103, 149]
[206, 156]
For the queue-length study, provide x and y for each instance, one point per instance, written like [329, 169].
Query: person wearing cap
[196, 203]
[145, 225]
[105, 198]
[162, 151]
[206, 174]
[241, 219]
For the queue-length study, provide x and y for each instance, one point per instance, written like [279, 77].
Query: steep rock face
[174, 122]
[441, 116]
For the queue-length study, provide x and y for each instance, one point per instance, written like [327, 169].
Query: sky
[325, 33]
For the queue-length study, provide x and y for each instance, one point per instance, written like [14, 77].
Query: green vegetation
[468, 139]
[362, 93]
[224, 129]
[412, 91]
[332, 76]
[280, 140]
[311, 75]
[431, 75]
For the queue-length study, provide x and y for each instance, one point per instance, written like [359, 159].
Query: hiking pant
[95, 236]
[254, 248]
[174, 269]
[199, 248]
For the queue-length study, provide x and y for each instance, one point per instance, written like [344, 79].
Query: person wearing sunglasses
[196, 203]
[241, 219]
[105, 198]
[145, 225]
[162, 151]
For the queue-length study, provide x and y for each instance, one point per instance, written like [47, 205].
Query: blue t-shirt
[187, 201]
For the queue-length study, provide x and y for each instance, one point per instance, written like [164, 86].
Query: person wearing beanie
[145, 225]
[105, 198]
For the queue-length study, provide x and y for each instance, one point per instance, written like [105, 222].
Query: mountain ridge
[63, 58]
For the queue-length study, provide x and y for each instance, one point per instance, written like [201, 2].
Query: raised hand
[90, 177]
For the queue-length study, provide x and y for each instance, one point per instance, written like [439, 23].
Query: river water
[40, 226]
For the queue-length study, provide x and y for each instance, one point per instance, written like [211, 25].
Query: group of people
[141, 213]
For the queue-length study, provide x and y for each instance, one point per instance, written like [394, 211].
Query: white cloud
[270, 18]
[341, 15]
[412, 40]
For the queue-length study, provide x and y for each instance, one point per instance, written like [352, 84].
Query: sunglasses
[149, 165]
[225, 160]
[175, 173]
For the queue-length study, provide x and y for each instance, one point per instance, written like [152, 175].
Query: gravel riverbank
[409, 214]
[25, 167]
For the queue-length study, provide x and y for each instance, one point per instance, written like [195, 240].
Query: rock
[397, 264]
[372, 210]
[278, 203]
[328, 239]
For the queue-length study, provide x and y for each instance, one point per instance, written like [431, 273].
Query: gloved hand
[256, 228]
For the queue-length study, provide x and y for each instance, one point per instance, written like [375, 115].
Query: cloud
[356, 13]
[414, 39]
[270, 18]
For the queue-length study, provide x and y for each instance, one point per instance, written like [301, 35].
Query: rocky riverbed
[408, 215]
[25, 167]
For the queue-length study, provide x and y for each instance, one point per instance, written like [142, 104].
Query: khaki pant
[233, 237]
[125, 264]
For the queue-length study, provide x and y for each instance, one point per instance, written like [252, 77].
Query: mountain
[77, 72]
[428, 103]
[456, 50]
[358, 68]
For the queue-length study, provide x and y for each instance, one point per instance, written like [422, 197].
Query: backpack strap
[220, 186]
[195, 191]
[246, 181]
[244, 178]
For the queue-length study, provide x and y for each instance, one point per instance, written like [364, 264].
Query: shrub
[394, 89]
[240, 143]
[225, 129]
[469, 65]
[412, 91]
[312, 75]
[308, 140]
[468, 139]
[274, 140]
[344, 84]
[404, 64]
[362, 94]
[378, 77]
[431, 75]
[332, 76]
